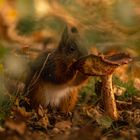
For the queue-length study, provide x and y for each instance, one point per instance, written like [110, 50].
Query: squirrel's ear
[68, 32]
[65, 35]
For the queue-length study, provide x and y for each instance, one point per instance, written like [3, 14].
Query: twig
[36, 76]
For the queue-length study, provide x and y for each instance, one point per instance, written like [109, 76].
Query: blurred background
[28, 27]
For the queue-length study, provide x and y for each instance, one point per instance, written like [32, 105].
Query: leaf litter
[88, 120]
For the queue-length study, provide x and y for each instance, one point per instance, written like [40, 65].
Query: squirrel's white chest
[54, 94]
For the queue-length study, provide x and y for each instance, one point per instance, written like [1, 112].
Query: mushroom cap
[100, 65]
[119, 58]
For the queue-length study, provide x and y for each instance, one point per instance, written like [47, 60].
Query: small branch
[36, 76]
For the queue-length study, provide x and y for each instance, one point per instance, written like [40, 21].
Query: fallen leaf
[44, 122]
[40, 111]
[137, 83]
[136, 116]
[55, 130]
[2, 129]
[19, 127]
[104, 121]
[63, 125]
[119, 91]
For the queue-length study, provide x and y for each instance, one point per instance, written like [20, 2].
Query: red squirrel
[52, 81]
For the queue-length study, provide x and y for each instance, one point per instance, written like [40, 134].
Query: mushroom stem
[108, 97]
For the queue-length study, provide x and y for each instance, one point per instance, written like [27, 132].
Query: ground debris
[19, 127]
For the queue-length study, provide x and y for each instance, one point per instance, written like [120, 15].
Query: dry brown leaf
[121, 105]
[20, 111]
[2, 129]
[136, 99]
[44, 122]
[136, 69]
[137, 83]
[63, 125]
[41, 112]
[119, 91]
[92, 112]
[136, 116]
[19, 127]
[122, 73]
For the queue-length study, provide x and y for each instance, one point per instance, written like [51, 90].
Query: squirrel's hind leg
[68, 103]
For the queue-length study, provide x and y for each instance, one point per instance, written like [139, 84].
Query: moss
[26, 25]
[129, 86]
[87, 93]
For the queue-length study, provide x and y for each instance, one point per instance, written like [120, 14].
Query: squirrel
[52, 81]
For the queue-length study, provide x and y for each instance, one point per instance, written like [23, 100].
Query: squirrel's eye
[72, 49]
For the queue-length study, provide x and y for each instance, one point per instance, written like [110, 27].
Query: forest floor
[109, 28]
[87, 122]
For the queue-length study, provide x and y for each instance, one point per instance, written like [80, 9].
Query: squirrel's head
[71, 48]
[71, 45]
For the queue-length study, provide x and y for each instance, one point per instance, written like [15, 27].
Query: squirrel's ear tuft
[69, 33]
[65, 36]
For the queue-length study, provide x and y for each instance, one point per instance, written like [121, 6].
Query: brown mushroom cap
[99, 65]
[119, 58]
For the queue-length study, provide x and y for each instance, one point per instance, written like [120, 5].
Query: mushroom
[104, 66]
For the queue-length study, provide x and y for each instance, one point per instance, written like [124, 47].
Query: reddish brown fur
[67, 103]
[58, 82]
